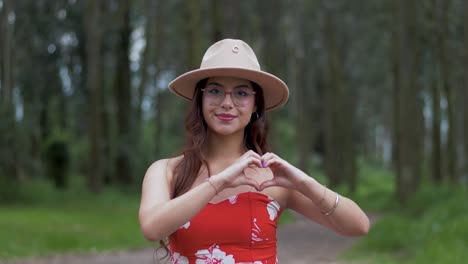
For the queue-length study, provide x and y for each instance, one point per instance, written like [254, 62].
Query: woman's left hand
[284, 174]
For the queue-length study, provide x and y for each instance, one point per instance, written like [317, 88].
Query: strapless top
[240, 229]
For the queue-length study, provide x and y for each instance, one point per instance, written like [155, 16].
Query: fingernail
[263, 164]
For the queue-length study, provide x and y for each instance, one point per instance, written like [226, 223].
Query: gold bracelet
[337, 201]
[323, 196]
[212, 185]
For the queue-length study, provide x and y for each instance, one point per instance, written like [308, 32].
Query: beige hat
[233, 58]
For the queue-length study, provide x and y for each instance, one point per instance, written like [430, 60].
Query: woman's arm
[160, 215]
[315, 201]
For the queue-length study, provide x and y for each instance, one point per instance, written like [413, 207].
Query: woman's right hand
[234, 176]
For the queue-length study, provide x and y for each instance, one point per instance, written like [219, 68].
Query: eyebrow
[220, 85]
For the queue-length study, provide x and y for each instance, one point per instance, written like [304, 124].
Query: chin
[225, 132]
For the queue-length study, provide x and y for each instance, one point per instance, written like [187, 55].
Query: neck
[225, 148]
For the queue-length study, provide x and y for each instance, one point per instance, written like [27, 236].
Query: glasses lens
[214, 94]
[242, 96]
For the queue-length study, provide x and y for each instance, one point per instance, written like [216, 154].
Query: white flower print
[176, 258]
[273, 207]
[213, 255]
[186, 226]
[256, 231]
[233, 199]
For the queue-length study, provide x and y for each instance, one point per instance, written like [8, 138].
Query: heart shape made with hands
[258, 174]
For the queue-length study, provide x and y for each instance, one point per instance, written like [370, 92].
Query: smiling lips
[225, 117]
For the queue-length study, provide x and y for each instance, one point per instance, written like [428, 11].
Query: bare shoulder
[157, 184]
[163, 168]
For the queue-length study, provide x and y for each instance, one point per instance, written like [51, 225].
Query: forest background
[376, 110]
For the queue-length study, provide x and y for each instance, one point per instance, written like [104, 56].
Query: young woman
[219, 201]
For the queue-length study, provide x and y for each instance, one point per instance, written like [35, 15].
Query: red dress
[240, 229]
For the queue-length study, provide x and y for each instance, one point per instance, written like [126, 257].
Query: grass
[48, 222]
[45, 221]
[433, 228]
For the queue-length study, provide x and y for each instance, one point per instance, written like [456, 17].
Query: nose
[227, 101]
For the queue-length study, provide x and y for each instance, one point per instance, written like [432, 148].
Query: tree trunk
[93, 83]
[409, 112]
[149, 68]
[465, 122]
[435, 90]
[436, 143]
[157, 100]
[123, 94]
[6, 63]
[444, 74]
[269, 54]
[194, 35]
[334, 159]
[395, 51]
[9, 151]
[216, 20]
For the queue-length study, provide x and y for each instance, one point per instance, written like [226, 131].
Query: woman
[219, 202]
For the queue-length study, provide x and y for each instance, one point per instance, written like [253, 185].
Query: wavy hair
[255, 138]
[187, 170]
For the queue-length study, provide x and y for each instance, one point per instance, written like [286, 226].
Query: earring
[257, 115]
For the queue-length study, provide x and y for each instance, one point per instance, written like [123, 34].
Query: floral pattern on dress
[256, 232]
[213, 255]
[273, 208]
[233, 199]
[186, 226]
[176, 258]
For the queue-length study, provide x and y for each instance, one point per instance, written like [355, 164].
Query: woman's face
[228, 104]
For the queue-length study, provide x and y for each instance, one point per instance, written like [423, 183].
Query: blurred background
[377, 110]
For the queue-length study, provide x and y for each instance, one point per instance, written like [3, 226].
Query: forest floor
[299, 242]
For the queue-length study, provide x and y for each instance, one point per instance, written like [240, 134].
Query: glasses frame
[232, 98]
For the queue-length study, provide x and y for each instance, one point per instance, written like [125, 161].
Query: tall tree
[193, 9]
[8, 154]
[465, 122]
[123, 96]
[6, 76]
[435, 92]
[93, 83]
[442, 37]
[394, 58]
[298, 82]
[216, 20]
[334, 156]
[149, 69]
[410, 108]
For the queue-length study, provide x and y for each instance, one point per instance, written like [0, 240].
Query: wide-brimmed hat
[232, 58]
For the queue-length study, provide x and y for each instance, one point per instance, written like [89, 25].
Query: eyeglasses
[240, 96]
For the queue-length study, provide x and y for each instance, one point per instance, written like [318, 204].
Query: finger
[269, 155]
[255, 161]
[252, 182]
[252, 153]
[273, 161]
[267, 184]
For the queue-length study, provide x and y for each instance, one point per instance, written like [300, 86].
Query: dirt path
[300, 242]
[304, 242]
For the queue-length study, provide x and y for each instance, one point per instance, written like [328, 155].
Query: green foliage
[433, 229]
[9, 189]
[375, 191]
[51, 221]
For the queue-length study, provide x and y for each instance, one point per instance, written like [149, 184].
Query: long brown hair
[255, 138]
